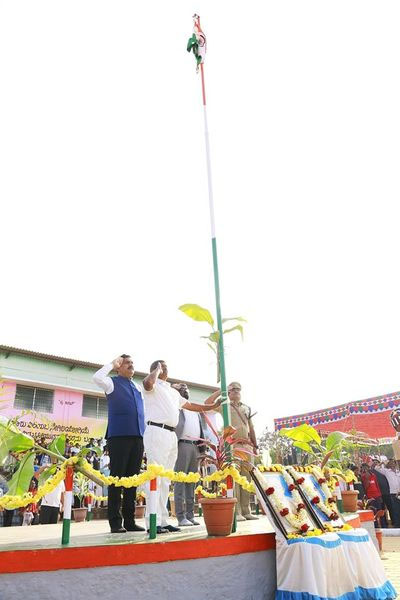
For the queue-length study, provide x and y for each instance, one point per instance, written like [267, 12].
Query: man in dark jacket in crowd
[384, 487]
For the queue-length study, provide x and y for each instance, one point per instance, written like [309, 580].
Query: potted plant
[140, 506]
[335, 450]
[218, 509]
[81, 490]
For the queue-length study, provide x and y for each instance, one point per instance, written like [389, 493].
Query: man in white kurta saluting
[161, 405]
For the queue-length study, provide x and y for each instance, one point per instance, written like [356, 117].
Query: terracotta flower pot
[349, 498]
[218, 514]
[139, 511]
[79, 514]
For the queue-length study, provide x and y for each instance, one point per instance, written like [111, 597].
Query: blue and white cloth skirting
[333, 566]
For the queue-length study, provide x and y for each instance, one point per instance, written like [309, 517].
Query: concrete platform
[188, 564]
[97, 533]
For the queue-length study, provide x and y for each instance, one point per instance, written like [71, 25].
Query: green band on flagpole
[225, 408]
[66, 527]
[153, 527]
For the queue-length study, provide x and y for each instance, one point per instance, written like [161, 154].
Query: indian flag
[197, 43]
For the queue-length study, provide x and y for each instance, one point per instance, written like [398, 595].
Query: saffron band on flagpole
[69, 481]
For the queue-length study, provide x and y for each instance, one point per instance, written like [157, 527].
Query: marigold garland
[204, 493]
[10, 502]
[297, 520]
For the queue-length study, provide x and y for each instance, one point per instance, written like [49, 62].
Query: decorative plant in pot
[81, 490]
[140, 505]
[218, 509]
[331, 454]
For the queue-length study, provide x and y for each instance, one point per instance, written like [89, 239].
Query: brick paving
[391, 560]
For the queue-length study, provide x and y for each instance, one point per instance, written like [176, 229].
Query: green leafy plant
[20, 481]
[198, 313]
[226, 449]
[81, 487]
[309, 441]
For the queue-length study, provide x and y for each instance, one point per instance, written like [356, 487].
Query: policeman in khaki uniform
[241, 421]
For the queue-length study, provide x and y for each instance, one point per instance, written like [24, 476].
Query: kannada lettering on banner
[77, 434]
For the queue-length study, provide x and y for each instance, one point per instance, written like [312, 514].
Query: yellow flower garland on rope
[98, 498]
[10, 502]
[203, 492]
[153, 471]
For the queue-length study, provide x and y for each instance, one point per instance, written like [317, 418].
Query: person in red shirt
[373, 491]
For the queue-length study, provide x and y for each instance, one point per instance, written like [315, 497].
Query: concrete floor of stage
[97, 533]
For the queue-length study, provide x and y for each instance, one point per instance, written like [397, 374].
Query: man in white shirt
[161, 405]
[393, 479]
[189, 433]
[50, 505]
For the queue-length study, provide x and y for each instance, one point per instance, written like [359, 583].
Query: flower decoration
[296, 519]
[327, 506]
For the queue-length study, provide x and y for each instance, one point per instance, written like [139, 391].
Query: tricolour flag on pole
[197, 43]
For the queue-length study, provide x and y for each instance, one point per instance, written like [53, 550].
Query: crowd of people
[379, 485]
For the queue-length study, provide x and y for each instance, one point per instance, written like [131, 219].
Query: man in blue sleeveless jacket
[124, 438]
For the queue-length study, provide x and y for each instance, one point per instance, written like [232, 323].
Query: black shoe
[118, 530]
[159, 530]
[171, 528]
[134, 527]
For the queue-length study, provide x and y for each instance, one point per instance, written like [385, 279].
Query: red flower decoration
[315, 500]
[321, 481]
[331, 500]
[269, 491]
[300, 480]
[291, 487]
[284, 512]
[300, 506]
[304, 527]
[333, 516]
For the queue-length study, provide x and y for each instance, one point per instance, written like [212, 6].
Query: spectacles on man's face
[235, 389]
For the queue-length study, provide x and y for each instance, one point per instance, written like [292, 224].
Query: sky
[104, 204]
